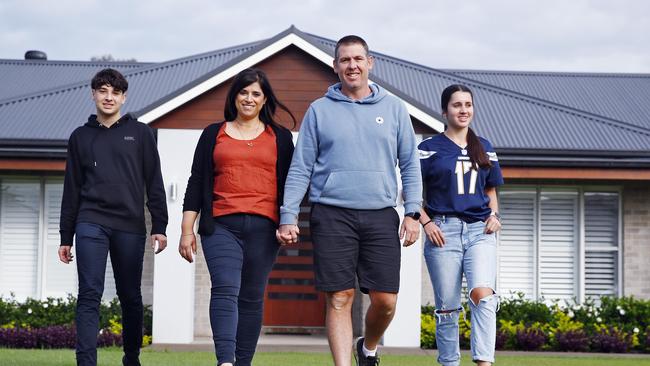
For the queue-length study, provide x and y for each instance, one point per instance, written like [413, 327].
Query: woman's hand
[492, 224]
[187, 247]
[287, 234]
[434, 234]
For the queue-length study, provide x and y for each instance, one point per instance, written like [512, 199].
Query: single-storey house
[574, 149]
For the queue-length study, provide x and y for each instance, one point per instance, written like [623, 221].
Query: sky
[549, 35]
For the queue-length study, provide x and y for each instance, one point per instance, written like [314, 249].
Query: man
[349, 144]
[112, 160]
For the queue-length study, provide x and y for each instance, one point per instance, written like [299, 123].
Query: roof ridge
[70, 62]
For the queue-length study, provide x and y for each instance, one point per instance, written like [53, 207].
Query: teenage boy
[112, 161]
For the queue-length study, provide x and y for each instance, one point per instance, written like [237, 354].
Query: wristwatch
[414, 215]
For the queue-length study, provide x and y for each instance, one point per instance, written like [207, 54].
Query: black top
[198, 195]
[106, 174]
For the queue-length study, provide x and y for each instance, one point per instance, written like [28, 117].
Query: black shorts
[351, 243]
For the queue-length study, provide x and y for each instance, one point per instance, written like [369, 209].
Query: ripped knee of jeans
[448, 315]
[490, 300]
[478, 293]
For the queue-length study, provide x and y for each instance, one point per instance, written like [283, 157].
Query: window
[20, 209]
[601, 243]
[559, 243]
[29, 241]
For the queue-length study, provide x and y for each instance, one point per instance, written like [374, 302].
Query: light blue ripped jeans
[467, 250]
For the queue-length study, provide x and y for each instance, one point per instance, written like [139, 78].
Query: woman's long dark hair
[246, 78]
[475, 148]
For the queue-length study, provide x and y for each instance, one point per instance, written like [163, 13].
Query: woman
[237, 182]
[460, 173]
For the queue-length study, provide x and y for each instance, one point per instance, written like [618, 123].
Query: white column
[404, 330]
[173, 283]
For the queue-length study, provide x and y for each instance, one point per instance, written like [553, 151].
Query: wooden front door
[291, 301]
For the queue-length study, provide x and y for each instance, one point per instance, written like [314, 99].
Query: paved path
[318, 344]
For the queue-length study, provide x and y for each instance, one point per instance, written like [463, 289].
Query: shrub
[572, 341]
[56, 336]
[18, 338]
[50, 323]
[36, 313]
[530, 339]
[607, 325]
[428, 331]
[626, 312]
[464, 329]
[520, 309]
[106, 338]
[610, 339]
[508, 331]
[501, 340]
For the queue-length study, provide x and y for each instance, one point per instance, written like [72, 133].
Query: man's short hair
[351, 39]
[110, 77]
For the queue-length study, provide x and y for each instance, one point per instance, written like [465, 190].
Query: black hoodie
[106, 174]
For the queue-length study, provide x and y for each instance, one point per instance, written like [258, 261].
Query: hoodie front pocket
[357, 186]
[116, 198]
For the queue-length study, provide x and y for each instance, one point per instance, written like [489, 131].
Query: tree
[109, 58]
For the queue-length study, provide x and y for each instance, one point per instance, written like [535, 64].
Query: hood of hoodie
[92, 121]
[376, 94]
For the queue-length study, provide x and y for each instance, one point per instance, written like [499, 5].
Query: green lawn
[112, 357]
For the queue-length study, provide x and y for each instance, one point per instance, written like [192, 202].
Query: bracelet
[187, 234]
[427, 223]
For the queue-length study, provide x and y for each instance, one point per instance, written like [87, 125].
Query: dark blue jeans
[240, 254]
[93, 244]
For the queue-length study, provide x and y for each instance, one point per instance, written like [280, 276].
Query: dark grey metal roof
[513, 115]
[512, 119]
[21, 77]
[624, 97]
[55, 113]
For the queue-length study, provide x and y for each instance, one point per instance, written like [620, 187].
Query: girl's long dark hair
[475, 148]
[246, 78]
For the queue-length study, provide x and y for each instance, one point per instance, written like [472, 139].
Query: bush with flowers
[50, 323]
[608, 325]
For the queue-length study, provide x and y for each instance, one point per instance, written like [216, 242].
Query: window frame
[580, 190]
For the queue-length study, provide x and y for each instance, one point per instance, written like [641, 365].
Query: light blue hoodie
[347, 152]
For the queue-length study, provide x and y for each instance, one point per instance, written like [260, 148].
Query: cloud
[555, 35]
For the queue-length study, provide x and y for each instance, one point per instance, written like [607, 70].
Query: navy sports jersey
[451, 186]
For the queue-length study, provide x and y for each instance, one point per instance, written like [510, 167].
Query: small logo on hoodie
[129, 138]
[379, 120]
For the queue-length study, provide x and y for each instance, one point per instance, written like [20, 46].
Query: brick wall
[636, 240]
[427, 287]
[201, 295]
[147, 267]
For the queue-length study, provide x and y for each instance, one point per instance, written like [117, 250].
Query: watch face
[413, 215]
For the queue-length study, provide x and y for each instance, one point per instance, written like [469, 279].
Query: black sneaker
[126, 362]
[360, 358]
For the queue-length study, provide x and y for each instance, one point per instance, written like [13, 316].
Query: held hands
[65, 253]
[162, 242]
[409, 231]
[287, 234]
[492, 225]
[187, 246]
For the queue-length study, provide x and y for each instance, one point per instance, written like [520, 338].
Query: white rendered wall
[173, 285]
[404, 330]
